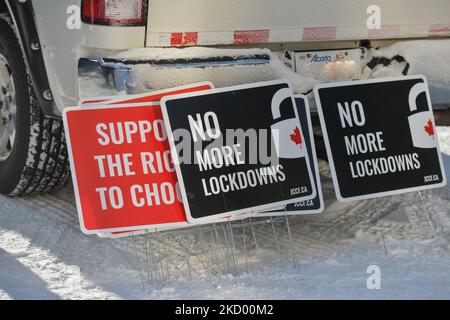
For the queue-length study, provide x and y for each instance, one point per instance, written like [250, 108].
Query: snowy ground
[43, 254]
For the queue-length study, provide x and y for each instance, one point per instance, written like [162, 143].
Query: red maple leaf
[296, 136]
[429, 128]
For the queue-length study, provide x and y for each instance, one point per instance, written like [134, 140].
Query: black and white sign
[380, 137]
[238, 149]
[315, 205]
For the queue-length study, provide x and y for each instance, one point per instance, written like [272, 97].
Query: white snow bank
[444, 140]
[428, 57]
[221, 76]
[186, 53]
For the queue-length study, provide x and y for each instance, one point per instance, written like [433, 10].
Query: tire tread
[46, 167]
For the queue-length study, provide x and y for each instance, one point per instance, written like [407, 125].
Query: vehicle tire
[33, 153]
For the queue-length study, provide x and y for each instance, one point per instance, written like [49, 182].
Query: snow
[427, 57]
[444, 138]
[220, 76]
[148, 77]
[44, 255]
[156, 54]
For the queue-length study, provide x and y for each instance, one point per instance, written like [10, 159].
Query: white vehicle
[53, 53]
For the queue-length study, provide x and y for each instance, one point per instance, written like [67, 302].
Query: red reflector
[114, 12]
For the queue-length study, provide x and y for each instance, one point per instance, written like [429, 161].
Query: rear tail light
[114, 12]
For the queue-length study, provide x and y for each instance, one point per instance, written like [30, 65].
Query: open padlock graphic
[286, 134]
[421, 124]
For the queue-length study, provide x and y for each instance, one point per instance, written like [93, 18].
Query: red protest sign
[114, 151]
[122, 169]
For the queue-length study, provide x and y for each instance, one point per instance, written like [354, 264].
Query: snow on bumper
[141, 70]
[146, 69]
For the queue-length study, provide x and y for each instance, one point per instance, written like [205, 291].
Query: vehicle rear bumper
[143, 70]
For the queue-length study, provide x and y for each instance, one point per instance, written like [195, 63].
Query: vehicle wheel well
[21, 16]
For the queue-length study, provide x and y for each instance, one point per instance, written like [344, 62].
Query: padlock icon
[421, 124]
[286, 134]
